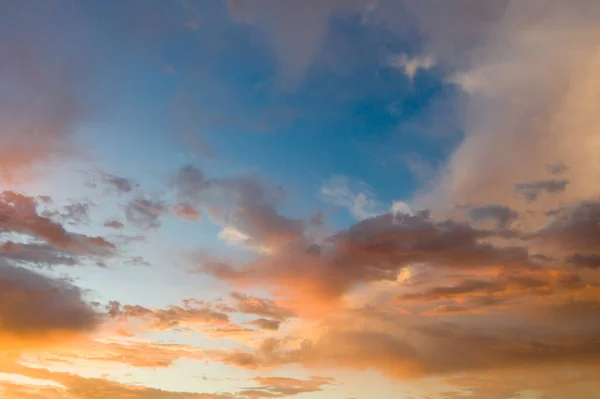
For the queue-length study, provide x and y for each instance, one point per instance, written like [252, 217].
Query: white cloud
[355, 195]
[236, 238]
[358, 198]
[411, 65]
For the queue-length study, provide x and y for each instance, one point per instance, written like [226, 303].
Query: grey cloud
[531, 191]
[503, 215]
[557, 168]
[241, 202]
[266, 324]
[34, 305]
[145, 213]
[585, 261]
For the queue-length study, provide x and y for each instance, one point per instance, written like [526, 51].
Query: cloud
[72, 386]
[189, 316]
[373, 250]
[502, 215]
[241, 203]
[412, 66]
[73, 213]
[36, 254]
[145, 213]
[279, 387]
[518, 120]
[36, 309]
[557, 168]
[260, 306]
[266, 324]
[296, 32]
[114, 224]
[41, 97]
[576, 229]
[19, 214]
[589, 261]
[503, 286]
[532, 190]
[352, 194]
[186, 211]
[120, 184]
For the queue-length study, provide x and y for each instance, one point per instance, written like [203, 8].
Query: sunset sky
[308, 199]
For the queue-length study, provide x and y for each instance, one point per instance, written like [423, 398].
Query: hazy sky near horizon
[327, 199]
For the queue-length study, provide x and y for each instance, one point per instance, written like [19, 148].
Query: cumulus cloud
[518, 120]
[260, 306]
[375, 249]
[266, 324]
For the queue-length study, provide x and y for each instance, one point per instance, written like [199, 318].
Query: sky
[333, 199]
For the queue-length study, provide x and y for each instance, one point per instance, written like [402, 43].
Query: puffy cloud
[575, 229]
[518, 120]
[35, 309]
[373, 250]
[260, 306]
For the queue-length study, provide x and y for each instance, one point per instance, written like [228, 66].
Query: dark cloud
[266, 324]
[375, 249]
[557, 168]
[586, 261]
[36, 254]
[531, 191]
[19, 214]
[510, 284]
[574, 229]
[502, 215]
[33, 305]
